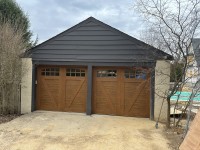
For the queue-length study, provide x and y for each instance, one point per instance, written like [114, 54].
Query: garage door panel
[76, 93]
[72, 90]
[127, 92]
[106, 95]
[49, 93]
[60, 90]
[130, 99]
[77, 107]
[137, 108]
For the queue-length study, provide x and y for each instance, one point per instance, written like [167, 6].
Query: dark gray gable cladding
[95, 41]
[196, 49]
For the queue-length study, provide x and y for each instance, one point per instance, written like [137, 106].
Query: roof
[196, 49]
[93, 40]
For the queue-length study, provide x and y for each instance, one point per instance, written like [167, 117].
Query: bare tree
[171, 26]
[11, 47]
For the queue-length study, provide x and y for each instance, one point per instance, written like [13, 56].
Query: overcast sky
[50, 17]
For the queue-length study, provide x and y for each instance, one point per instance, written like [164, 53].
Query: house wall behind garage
[162, 81]
[26, 85]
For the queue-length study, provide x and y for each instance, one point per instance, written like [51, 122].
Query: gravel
[7, 118]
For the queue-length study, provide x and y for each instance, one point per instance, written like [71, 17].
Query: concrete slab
[42, 130]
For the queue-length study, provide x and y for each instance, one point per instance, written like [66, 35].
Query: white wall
[26, 85]
[162, 82]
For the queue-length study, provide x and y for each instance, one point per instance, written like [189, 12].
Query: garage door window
[50, 72]
[75, 72]
[135, 73]
[107, 73]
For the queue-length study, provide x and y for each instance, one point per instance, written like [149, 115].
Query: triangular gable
[92, 34]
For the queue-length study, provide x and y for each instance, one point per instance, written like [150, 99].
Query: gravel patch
[7, 118]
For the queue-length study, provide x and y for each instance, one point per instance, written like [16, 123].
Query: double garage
[116, 91]
[94, 68]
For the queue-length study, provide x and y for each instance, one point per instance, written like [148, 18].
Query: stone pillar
[162, 83]
[26, 85]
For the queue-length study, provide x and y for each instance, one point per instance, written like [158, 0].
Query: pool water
[185, 96]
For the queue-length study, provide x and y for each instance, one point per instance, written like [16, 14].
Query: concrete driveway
[43, 130]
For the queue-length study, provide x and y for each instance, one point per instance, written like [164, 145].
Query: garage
[61, 88]
[121, 91]
[116, 91]
[94, 68]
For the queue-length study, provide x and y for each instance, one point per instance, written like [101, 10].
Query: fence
[191, 141]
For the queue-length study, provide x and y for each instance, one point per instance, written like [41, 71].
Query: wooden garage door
[61, 88]
[121, 91]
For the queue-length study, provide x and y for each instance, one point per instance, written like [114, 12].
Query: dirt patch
[61, 131]
[175, 138]
[7, 118]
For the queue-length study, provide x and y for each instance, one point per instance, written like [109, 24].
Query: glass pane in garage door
[75, 72]
[135, 73]
[107, 73]
[50, 71]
